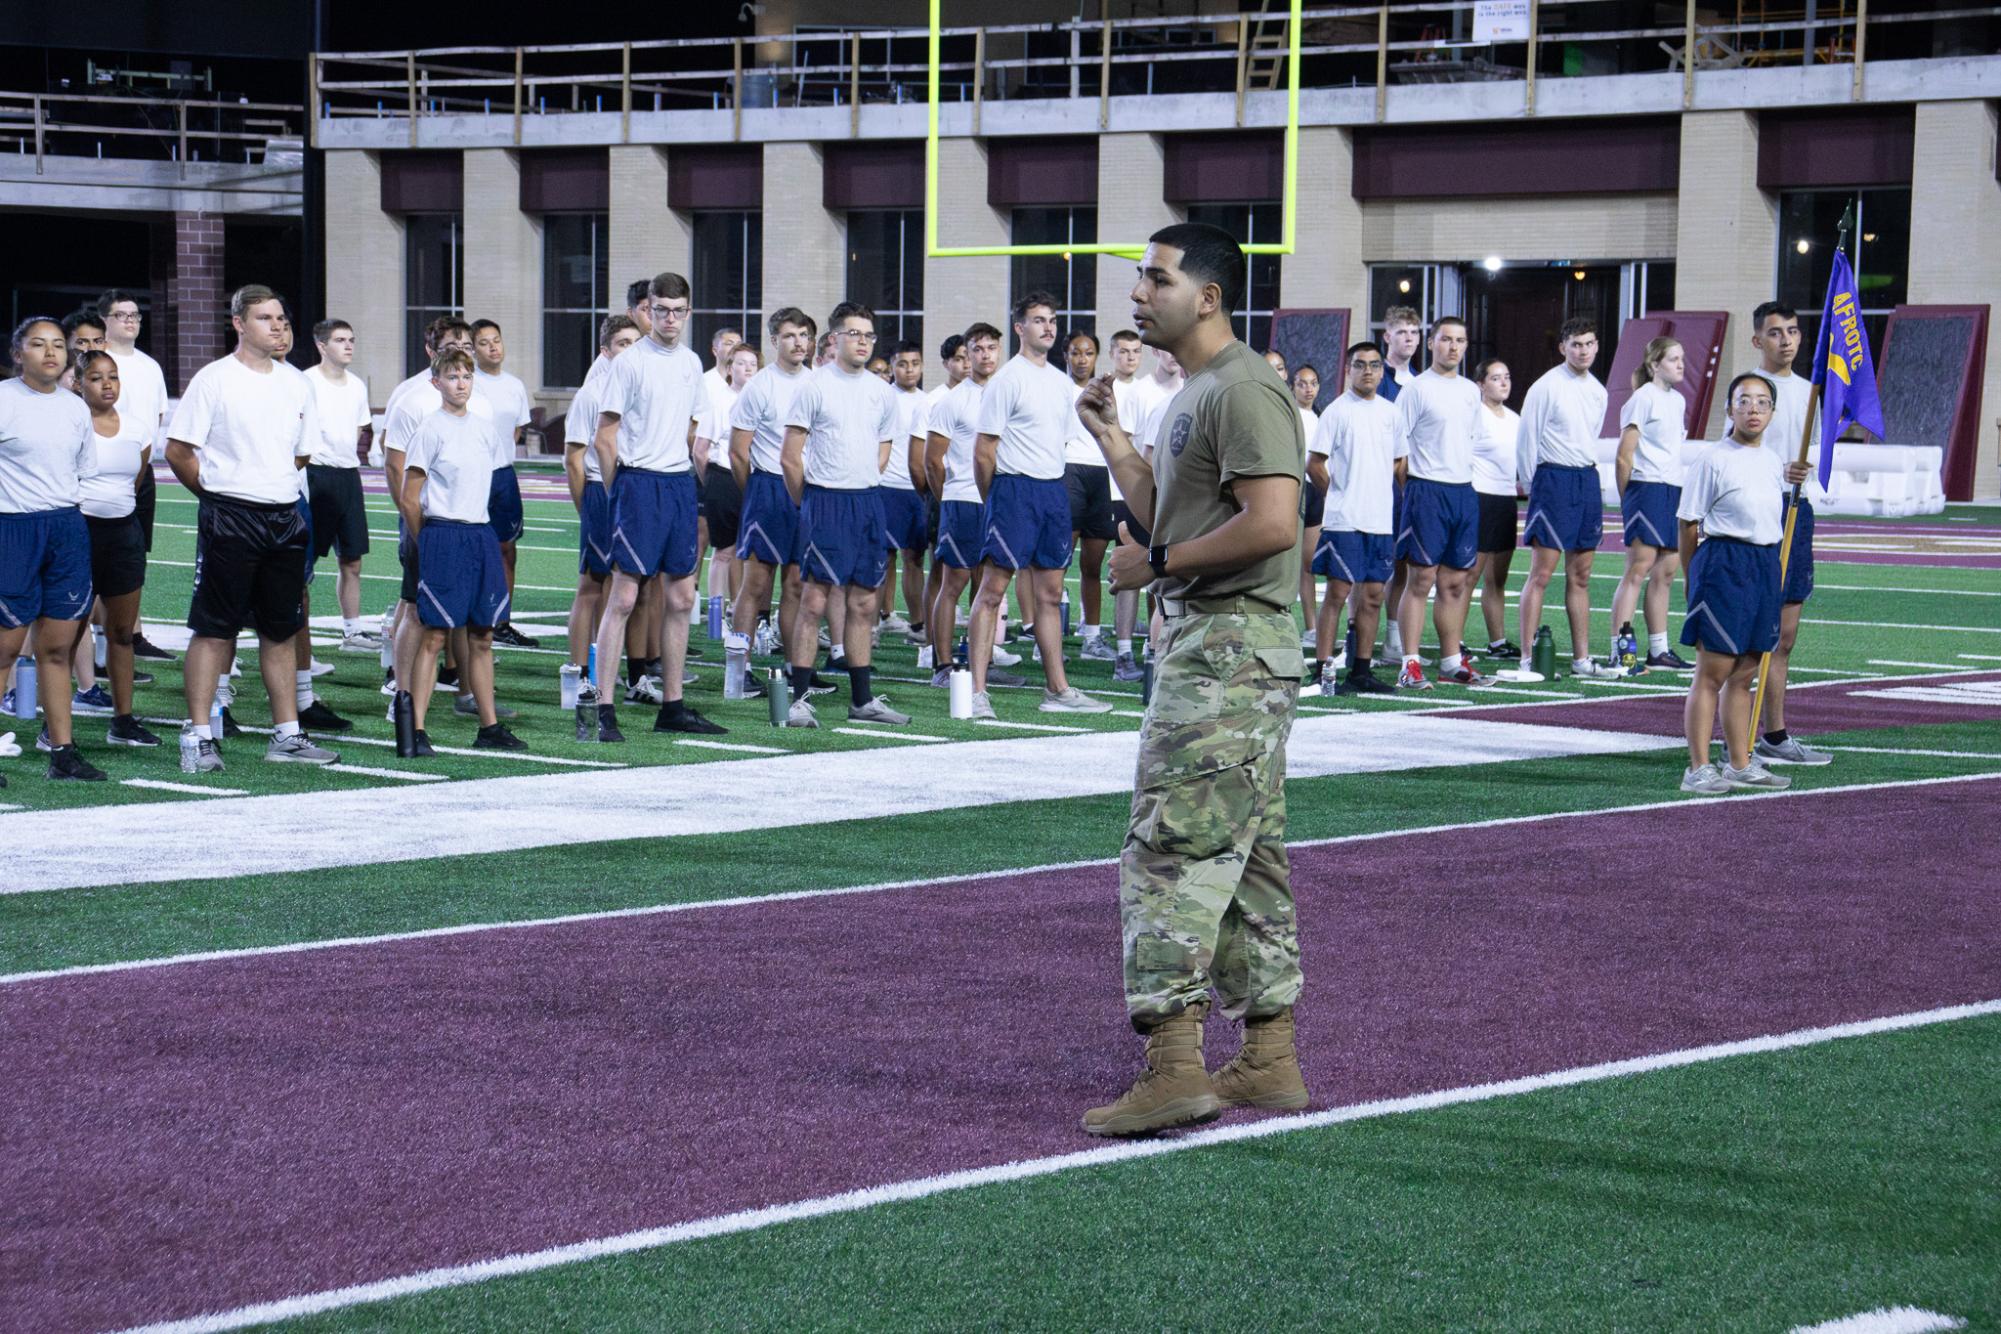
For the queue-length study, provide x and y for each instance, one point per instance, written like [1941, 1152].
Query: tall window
[1071, 279]
[886, 270]
[575, 294]
[434, 272]
[1251, 224]
[728, 277]
[1879, 248]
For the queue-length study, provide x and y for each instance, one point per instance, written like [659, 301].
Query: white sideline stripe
[900, 1192]
[1511, 690]
[10, 806]
[1026, 727]
[732, 745]
[1885, 1320]
[189, 788]
[406, 775]
[342, 739]
[1932, 695]
[1899, 750]
[884, 886]
[1899, 662]
[1976, 657]
[888, 736]
[475, 816]
[1130, 713]
[1553, 701]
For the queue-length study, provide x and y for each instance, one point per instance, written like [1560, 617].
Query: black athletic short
[117, 555]
[250, 569]
[146, 500]
[722, 503]
[1499, 516]
[1090, 492]
[1122, 514]
[340, 520]
[1313, 504]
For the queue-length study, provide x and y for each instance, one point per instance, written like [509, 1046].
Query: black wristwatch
[1156, 556]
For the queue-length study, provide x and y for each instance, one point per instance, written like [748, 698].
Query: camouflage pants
[1205, 889]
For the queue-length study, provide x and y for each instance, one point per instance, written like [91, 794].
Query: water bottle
[1543, 654]
[404, 710]
[190, 749]
[591, 665]
[765, 640]
[215, 718]
[1146, 682]
[1629, 650]
[961, 655]
[736, 666]
[716, 616]
[778, 695]
[962, 691]
[98, 640]
[24, 689]
[1064, 608]
[569, 676]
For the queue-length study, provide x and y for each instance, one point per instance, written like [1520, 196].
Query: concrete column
[1132, 177]
[199, 308]
[1726, 234]
[805, 246]
[365, 268]
[503, 259]
[1955, 247]
[646, 236]
[958, 292]
[1328, 270]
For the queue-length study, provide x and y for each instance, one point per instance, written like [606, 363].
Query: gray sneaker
[876, 710]
[298, 748]
[1755, 776]
[208, 757]
[1705, 782]
[1790, 751]
[802, 714]
[1072, 700]
[469, 707]
[982, 706]
[997, 677]
[1095, 649]
[942, 678]
[1127, 668]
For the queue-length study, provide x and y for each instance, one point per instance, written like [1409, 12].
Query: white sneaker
[1790, 751]
[1755, 775]
[646, 690]
[876, 710]
[1002, 658]
[1310, 639]
[1591, 667]
[982, 706]
[802, 714]
[896, 624]
[321, 667]
[361, 641]
[1706, 781]
[1072, 700]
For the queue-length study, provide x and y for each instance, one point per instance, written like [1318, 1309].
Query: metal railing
[1405, 43]
[181, 131]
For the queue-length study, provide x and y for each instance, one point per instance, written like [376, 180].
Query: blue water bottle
[24, 689]
[715, 616]
[960, 654]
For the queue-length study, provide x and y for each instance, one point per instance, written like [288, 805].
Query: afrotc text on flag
[1843, 368]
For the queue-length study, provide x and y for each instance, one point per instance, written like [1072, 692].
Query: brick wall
[504, 260]
[959, 291]
[647, 237]
[1726, 234]
[1328, 271]
[365, 269]
[199, 306]
[805, 246]
[1131, 177]
[1955, 243]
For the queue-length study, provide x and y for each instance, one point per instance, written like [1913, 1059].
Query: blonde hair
[1396, 315]
[452, 359]
[1656, 353]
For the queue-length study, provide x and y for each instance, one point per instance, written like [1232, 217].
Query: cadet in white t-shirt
[948, 465]
[47, 449]
[244, 429]
[838, 434]
[906, 518]
[333, 474]
[1025, 417]
[1439, 539]
[1496, 429]
[1142, 414]
[1556, 456]
[117, 546]
[1305, 386]
[1355, 457]
[514, 408]
[1730, 506]
[462, 582]
[1652, 427]
[722, 498]
[1088, 483]
[142, 393]
[580, 466]
[768, 531]
[952, 352]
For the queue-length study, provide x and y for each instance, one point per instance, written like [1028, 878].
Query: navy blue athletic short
[1566, 511]
[1799, 561]
[1648, 511]
[464, 580]
[653, 523]
[841, 538]
[1733, 597]
[594, 532]
[503, 505]
[769, 528]
[44, 567]
[1355, 558]
[1026, 524]
[959, 533]
[1441, 524]
[904, 518]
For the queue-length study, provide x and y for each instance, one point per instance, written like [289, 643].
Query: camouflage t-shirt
[1235, 419]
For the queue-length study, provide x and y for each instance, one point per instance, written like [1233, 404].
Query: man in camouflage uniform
[1205, 891]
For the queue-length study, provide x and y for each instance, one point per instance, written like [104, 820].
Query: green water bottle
[1543, 655]
[778, 694]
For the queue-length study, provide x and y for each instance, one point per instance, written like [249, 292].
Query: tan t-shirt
[1235, 419]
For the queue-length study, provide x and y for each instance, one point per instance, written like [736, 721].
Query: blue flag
[1843, 368]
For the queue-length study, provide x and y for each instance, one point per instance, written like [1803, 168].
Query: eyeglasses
[129, 317]
[861, 335]
[1359, 365]
[668, 312]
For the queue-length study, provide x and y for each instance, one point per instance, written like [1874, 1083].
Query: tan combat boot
[1174, 1091]
[1265, 1073]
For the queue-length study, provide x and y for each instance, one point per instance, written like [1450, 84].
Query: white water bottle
[962, 693]
[190, 749]
[569, 675]
[736, 666]
[98, 641]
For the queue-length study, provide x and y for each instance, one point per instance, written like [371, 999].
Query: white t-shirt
[510, 398]
[1078, 446]
[714, 426]
[1362, 439]
[142, 393]
[957, 418]
[1025, 407]
[1494, 440]
[342, 410]
[762, 408]
[580, 423]
[1782, 433]
[1561, 417]
[110, 493]
[657, 393]
[1437, 413]
[421, 380]
[913, 407]
[1661, 416]
[1155, 397]
[1735, 490]
[456, 455]
[46, 448]
[248, 429]
[1403, 375]
[419, 402]
[1309, 422]
[846, 415]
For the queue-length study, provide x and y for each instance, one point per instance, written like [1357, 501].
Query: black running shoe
[140, 678]
[497, 737]
[1669, 661]
[448, 676]
[1506, 650]
[143, 647]
[608, 725]
[422, 746]
[1364, 683]
[126, 731]
[66, 763]
[229, 727]
[687, 721]
[820, 686]
[317, 717]
[506, 634]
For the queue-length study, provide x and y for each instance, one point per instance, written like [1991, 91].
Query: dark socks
[858, 686]
[673, 708]
[634, 669]
[1779, 737]
[802, 681]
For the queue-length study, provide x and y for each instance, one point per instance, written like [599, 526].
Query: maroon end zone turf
[200, 1136]
[1849, 706]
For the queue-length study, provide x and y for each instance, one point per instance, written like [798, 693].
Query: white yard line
[1026, 727]
[1904, 750]
[1885, 1320]
[887, 736]
[339, 740]
[403, 775]
[699, 744]
[1899, 662]
[157, 785]
[899, 1192]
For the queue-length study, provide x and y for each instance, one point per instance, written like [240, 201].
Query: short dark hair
[325, 329]
[450, 323]
[1768, 308]
[1480, 371]
[1126, 336]
[477, 325]
[85, 360]
[1085, 334]
[614, 325]
[1366, 345]
[1576, 327]
[785, 315]
[1730, 394]
[717, 336]
[251, 295]
[981, 329]
[950, 347]
[905, 345]
[635, 293]
[850, 310]
[111, 296]
[1444, 320]
[76, 319]
[1208, 255]
[1028, 301]
[1305, 366]
[669, 285]
[437, 329]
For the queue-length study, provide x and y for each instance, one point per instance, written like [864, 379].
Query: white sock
[302, 688]
[202, 732]
[1579, 663]
[287, 729]
[1657, 644]
[1412, 660]
[350, 625]
[1449, 664]
[1125, 648]
[1093, 631]
[99, 645]
[1395, 642]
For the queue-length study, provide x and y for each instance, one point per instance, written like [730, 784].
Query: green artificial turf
[1755, 1193]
